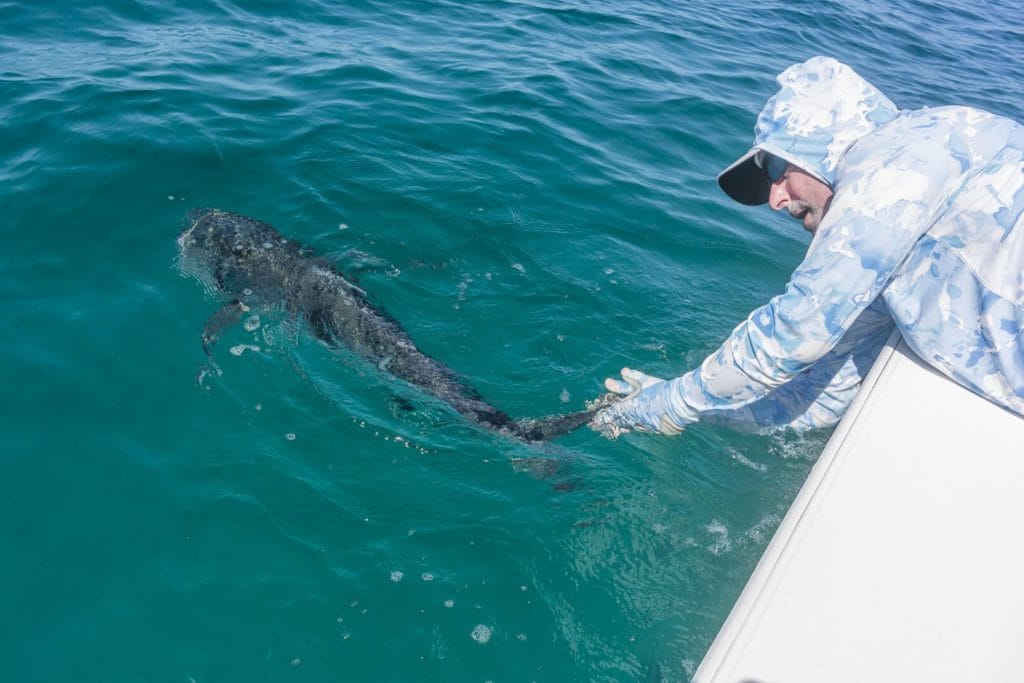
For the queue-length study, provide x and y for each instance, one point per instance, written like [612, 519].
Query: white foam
[720, 532]
[760, 532]
[481, 634]
[746, 462]
[252, 323]
[463, 286]
[396, 576]
[239, 349]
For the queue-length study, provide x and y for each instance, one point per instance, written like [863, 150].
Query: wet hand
[629, 413]
[631, 384]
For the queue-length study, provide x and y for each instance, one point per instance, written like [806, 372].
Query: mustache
[798, 208]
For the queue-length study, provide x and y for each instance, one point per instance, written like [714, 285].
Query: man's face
[802, 195]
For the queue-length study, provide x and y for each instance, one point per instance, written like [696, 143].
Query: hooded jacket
[925, 231]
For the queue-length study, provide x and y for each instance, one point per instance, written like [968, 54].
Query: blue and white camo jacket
[924, 232]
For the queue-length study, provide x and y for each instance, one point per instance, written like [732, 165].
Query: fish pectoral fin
[403, 404]
[321, 324]
[228, 315]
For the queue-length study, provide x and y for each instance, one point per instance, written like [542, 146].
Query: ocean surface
[528, 186]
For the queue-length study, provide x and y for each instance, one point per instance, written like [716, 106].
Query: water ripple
[529, 187]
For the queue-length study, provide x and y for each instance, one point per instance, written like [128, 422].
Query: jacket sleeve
[886, 201]
[819, 396]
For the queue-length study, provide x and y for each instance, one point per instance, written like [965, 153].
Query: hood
[822, 107]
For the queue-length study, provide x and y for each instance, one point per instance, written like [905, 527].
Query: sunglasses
[774, 167]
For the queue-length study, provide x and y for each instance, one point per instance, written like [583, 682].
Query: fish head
[233, 254]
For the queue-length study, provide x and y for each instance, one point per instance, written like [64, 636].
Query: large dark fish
[250, 262]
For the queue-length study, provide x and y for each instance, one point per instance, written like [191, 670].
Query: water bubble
[396, 576]
[519, 267]
[481, 634]
[170, 197]
[427, 576]
[239, 349]
[342, 226]
[213, 370]
[746, 462]
[259, 407]
[463, 286]
[720, 542]
[449, 603]
[290, 436]
[564, 396]
[296, 661]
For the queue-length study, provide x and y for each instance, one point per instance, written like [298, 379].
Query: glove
[631, 384]
[632, 411]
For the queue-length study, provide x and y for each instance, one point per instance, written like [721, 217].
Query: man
[917, 220]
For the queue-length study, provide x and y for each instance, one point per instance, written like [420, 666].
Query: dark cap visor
[745, 181]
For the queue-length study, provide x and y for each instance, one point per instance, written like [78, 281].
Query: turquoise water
[529, 188]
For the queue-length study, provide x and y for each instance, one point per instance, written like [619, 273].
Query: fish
[251, 264]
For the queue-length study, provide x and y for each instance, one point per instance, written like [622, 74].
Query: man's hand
[629, 413]
[631, 384]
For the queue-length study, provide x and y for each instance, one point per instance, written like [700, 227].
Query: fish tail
[550, 427]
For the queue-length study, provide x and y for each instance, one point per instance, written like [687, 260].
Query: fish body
[252, 264]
